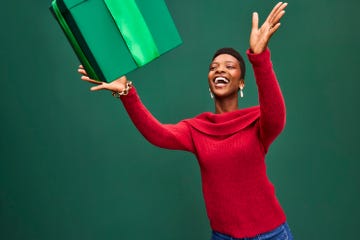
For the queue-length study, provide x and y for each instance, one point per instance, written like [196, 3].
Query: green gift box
[113, 37]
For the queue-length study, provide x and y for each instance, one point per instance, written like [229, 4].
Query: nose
[220, 69]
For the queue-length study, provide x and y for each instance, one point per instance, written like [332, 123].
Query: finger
[273, 11]
[98, 87]
[81, 66]
[277, 18]
[82, 71]
[277, 12]
[87, 79]
[274, 28]
[255, 21]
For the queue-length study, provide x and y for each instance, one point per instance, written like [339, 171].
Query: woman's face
[225, 76]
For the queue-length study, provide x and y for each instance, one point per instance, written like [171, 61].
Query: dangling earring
[241, 92]
[211, 94]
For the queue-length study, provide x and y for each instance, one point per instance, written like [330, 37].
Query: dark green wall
[72, 166]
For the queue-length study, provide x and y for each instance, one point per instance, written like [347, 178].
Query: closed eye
[213, 67]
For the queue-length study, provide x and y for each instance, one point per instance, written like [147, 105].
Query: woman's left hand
[260, 37]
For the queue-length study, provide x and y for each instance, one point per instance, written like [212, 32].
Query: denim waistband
[280, 233]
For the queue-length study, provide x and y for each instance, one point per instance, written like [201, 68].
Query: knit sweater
[230, 147]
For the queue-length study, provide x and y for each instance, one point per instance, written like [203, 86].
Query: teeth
[221, 80]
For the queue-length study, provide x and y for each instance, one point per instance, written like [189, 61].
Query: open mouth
[221, 81]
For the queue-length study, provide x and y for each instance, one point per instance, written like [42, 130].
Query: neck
[229, 104]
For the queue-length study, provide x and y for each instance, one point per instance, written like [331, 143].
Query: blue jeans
[280, 233]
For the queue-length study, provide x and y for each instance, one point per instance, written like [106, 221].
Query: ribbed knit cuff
[130, 97]
[260, 58]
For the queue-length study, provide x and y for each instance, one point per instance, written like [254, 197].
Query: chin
[228, 95]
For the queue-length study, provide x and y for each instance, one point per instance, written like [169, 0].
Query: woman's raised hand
[116, 86]
[260, 37]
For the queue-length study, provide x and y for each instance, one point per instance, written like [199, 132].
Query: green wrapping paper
[113, 37]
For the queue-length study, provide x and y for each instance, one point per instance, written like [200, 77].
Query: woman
[231, 143]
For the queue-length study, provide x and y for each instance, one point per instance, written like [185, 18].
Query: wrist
[257, 50]
[125, 91]
[260, 58]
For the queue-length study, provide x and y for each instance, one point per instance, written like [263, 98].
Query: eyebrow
[225, 62]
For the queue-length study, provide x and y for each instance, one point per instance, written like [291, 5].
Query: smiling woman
[230, 144]
[226, 78]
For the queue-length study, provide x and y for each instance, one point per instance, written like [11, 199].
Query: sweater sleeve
[169, 136]
[272, 105]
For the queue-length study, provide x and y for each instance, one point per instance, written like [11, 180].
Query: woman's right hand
[117, 85]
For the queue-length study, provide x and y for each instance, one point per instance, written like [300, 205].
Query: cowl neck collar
[225, 123]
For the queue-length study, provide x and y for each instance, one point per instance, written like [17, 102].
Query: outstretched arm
[272, 106]
[170, 136]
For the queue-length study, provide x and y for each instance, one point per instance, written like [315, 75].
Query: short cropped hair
[236, 55]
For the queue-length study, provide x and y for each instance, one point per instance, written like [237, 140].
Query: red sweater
[230, 148]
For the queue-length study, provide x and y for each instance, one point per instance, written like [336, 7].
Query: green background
[72, 165]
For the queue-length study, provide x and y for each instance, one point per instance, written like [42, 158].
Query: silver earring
[241, 92]
[211, 94]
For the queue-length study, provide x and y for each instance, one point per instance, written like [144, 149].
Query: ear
[241, 84]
